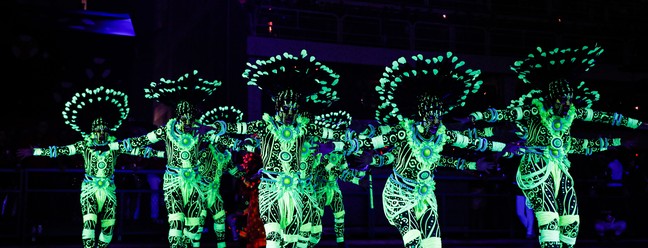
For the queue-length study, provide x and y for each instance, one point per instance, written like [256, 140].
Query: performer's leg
[195, 207]
[569, 220]
[270, 214]
[107, 221]
[174, 206]
[543, 201]
[314, 235]
[219, 221]
[89, 209]
[337, 207]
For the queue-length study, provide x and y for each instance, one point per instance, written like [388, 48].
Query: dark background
[47, 58]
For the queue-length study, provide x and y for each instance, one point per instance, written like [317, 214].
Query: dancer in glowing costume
[215, 159]
[327, 169]
[544, 117]
[415, 96]
[94, 113]
[286, 195]
[183, 195]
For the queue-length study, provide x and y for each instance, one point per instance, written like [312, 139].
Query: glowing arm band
[377, 142]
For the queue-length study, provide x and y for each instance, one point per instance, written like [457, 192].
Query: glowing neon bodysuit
[544, 117]
[98, 188]
[284, 190]
[543, 174]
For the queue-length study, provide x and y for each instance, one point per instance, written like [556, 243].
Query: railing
[426, 32]
[469, 205]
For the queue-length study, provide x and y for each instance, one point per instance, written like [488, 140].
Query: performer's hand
[22, 153]
[465, 120]
[485, 165]
[324, 147]
[643, 126]
[203, 129]
[363, 160]
[364, 183]
[516, 149]
[629, 143]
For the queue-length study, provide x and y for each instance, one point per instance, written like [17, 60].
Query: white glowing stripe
[377, 142]
[72, 149]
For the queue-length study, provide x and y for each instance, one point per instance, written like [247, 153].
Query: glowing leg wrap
[88, 232]
[548, 237]
[273, 235]
[433, 242]
[302, 239]
[176, 238]
[569, 225]
[219, 227]
[316, 235]
[411, 237]
[106, 232]
[192, 230]
[338, 226]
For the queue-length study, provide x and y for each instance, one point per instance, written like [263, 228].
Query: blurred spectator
[608, 225]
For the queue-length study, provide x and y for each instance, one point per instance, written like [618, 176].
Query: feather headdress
[334, 120]
[312, 82]
[87, 106]
[188, 88]
[227, 114]
[548, 72]
[406, 82]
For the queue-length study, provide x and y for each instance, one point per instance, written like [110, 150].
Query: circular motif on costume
[184, 155]
[100, 183]
[401, 134]
[186, 140]
[423, 190]
[187, 174]
[302, 165]
[426, 152]
[556, 142]
[220, 157]
[287, 133]
[287, 181]
[556, 153]
[285, 156]
[424, 174]
[102, 164]
[557, 125]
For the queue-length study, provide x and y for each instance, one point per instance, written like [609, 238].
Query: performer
[544, 117]
[182, 138]
[94, 113]
[415, 96]
[327, 169]
[296, 84]
[215, 159]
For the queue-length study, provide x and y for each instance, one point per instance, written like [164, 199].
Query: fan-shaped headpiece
[300, 77]
[188, 88]
[409, 86]
[334, 120]
[555, 72]
[88, 106]
[227, 114]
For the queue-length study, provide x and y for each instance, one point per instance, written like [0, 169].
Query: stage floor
[482, 243]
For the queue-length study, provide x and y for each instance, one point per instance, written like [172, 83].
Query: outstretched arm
[614, 119]
[589, 146]
[52, 151]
